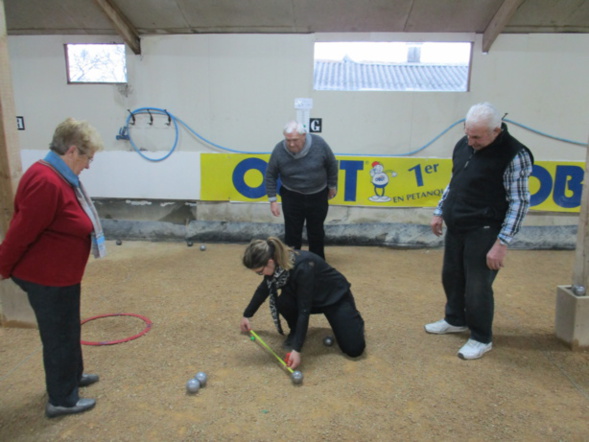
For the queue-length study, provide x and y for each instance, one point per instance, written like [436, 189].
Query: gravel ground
[408, 386]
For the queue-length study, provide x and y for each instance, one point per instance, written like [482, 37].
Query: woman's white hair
[484, 113]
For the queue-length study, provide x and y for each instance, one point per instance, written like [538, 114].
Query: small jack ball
[119, 242]
[297, 377]
[203, 248]
[201, 377]
[328, 341]
[189, 243]
[192, 386]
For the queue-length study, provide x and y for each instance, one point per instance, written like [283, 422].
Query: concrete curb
[395, 235]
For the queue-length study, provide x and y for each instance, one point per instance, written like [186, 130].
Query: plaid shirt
[515, 180]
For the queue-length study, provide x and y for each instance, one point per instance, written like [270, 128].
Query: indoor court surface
[409, 386]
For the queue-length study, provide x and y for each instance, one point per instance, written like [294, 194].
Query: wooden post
[581, 270]
[14, 305]
[572, 301]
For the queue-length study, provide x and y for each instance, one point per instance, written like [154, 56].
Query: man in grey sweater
[307, 169]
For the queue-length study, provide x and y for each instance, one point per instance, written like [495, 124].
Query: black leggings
[345, 320]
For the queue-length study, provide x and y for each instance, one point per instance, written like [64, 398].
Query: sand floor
[409, 385]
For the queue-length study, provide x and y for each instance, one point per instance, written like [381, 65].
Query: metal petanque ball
[297, 377]
[328, 341]
[189, 243]
[203, 248]
[119, 242]
[579, 290]
[192, 386]
[201, 377]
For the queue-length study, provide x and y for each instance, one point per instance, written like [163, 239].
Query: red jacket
[48, 240]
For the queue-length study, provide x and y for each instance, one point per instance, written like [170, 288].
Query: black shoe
[81, 406]
[88, 379]
[287, 344]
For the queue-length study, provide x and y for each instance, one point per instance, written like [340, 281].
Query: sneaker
[441, 327]
[474, 349]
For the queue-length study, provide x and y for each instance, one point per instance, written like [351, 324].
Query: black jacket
[313, 283]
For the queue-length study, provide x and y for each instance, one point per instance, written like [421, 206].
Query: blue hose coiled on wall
[124, 134]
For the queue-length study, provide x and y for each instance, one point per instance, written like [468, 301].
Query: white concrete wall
[239, 90]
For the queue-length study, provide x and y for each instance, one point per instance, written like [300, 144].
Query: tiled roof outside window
[348, 75]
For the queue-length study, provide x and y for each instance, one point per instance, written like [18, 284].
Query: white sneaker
[441, 327]
[474, 349]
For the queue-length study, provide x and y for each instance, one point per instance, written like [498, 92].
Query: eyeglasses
[90, 158]
[261, 272]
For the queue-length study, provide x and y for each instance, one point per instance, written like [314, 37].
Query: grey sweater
[308, 172]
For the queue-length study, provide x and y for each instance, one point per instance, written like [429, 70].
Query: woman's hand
[245, 325]
[294, 359]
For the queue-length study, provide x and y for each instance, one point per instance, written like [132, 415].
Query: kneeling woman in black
[308, 285]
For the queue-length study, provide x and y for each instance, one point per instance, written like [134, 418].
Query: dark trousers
[57, 310]
[345, 321]
[298, 209]
[468, 282]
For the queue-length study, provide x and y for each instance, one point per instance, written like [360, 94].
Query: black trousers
[298, 209]
[345, 321]
[468, 282]
[57, 310]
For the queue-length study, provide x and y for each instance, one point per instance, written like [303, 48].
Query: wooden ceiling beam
[122, 24]
[499, 21]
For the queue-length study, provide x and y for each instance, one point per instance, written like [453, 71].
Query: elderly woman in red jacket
[45, 251]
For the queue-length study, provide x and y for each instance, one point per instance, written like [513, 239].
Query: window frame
[408, 41]
[67, 64]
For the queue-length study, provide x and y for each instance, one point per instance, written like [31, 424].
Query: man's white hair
[484, 113]
[294, 126]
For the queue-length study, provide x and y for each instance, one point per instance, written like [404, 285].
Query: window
[392, 66]
[96, 63]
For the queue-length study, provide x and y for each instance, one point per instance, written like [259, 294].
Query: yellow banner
[555, 186]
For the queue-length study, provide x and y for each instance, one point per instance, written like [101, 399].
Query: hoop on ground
[118, 341]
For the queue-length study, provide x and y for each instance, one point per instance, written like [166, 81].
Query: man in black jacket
[483, 208]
